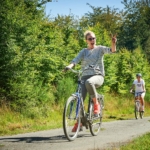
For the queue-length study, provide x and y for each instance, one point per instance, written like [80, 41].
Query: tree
[109, 18]
[22, 53]
[135, 30]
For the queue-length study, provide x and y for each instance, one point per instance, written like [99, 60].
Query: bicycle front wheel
[95, 122]
[71, 116]
[136, 110]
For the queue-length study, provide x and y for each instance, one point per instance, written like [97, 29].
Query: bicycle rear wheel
[136, 110]
[71, 117]
[95, 122]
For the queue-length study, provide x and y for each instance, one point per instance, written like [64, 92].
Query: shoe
[143, 110]
[96, 109]
[76, 126]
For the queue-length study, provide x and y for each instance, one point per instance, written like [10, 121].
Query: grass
[140, 143]
[13, 123]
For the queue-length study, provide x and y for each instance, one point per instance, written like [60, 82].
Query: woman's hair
[87, 33]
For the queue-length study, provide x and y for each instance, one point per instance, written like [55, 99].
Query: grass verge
[140, 143]
[14, 123]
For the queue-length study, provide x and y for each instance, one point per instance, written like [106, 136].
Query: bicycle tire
[136, 110]
[69, 118]
[95, 122]
[141, 114]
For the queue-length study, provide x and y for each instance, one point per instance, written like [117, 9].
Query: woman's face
[91, 40]
[138, 77]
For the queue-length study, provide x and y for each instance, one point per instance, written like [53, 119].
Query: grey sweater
[92, 57]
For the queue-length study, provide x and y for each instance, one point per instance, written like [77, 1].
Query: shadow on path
[52, 139]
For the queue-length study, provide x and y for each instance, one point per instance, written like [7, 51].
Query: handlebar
[138, 93]
[80, 72]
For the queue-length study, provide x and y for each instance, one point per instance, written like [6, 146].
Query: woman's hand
[114, 38]
[68, 67]
[113, 42]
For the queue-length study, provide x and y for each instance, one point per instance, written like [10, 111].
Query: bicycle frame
[138, 97]
[79, 99]
[78, 92]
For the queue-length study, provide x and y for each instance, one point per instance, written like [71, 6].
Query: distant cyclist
[139, 86]
[94, 76]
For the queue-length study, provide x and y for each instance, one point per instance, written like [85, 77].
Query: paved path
[112, 134]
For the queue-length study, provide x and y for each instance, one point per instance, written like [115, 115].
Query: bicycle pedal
[96, 115]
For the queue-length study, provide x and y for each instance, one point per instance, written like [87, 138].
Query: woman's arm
[76, 60]
[113, 43]
[132, 87]
[143, 85]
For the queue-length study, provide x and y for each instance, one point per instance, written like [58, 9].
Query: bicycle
[74, 112]
[138, 107]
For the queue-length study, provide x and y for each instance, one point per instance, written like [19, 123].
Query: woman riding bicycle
[93, 77]
[139, 86]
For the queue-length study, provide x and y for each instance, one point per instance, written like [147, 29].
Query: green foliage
[34, 50]
[65, 88]
[110, 73]
[136, 24]
[121, 69]
[124, 72]
[25, 82]
[109, 18]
